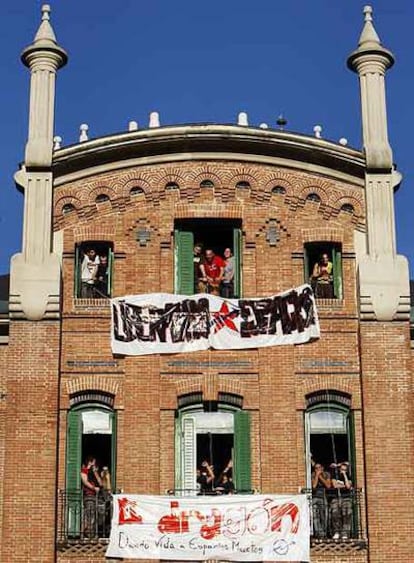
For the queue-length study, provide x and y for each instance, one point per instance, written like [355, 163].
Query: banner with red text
[160, 323]
[232, 528]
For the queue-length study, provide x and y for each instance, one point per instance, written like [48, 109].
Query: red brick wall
[31, 434]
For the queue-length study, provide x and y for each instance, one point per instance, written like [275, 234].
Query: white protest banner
[233, 528]
[158, 323]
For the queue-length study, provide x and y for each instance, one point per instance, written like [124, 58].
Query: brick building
[142, 199]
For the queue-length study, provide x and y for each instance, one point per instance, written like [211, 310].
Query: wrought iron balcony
[83, 518]
[335, 518]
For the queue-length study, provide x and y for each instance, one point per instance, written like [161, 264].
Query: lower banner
[232, 528]
[162, 323]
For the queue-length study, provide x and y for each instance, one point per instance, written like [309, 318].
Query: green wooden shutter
[110, 271]
[242, 452]
[337, 273]
[307, 451]
[73, 450]
[184, 265]
[77, 272]
[73, 505]
[237, 252]
[113, 448]
[189, 456]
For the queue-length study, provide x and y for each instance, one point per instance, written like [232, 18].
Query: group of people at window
[94, 274]
[97, 498]
[210, 484]
[212, 273]
[332, 501]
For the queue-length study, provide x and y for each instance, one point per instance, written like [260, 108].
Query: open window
[329, 436]
[91, 431]
[215, 437]
[323, 269]
[212, 234]
[94, 269]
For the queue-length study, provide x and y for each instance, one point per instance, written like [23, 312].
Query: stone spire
[43, 57]
[383, 275]
[370, 61]
[35, 272]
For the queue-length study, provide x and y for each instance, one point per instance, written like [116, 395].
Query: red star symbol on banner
[224, 317]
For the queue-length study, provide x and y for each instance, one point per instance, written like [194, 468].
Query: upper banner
[244, 528]
[160, 323]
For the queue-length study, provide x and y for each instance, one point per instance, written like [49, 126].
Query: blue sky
[205, 61]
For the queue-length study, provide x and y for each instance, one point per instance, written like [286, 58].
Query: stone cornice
[190, 141]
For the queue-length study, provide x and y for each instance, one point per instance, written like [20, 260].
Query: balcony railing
[83, 518]
[335, 517]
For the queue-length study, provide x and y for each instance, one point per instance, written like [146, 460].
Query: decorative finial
[84, 128]
[46, 12]
[317, 130]
[132, 126]
[57, 142]
[264, 126]
[368, 13]
[281, 122]
[343, 141]
[154, 119]
[242, 119]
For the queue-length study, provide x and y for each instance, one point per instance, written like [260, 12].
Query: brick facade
[49, 363]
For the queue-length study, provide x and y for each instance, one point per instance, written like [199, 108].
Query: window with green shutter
[102, 286]
[217, 438]
[312, 255]
[242, 451]
[211, 234]
[184, 265]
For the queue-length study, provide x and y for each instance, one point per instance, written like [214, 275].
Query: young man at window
[321, 483]
[102, 275]
[89, 269]
[227, 284]
[212, 272]
[341, 503]
[322, 278]
[198, 259]
[91, 485]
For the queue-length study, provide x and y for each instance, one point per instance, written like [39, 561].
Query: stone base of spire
[384, 284]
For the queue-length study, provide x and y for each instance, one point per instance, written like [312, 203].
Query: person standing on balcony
[91, 485]
[341, 503]
[321, 483]
[322, 278]
[212, 272]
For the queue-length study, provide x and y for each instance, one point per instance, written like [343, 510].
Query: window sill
[329, 303]
[81, 303]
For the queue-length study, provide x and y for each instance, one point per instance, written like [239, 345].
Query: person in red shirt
[212, 270]
[91, 484]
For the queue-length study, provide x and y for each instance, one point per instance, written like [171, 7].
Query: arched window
[136, 190]
[101, 198]
[216, 438]
[348, 208]
[313, 197]
[171, 186]
[243, 185]
[90, 431]
[68, 208]
[278, 190]
[329, 433]
[206, 184]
